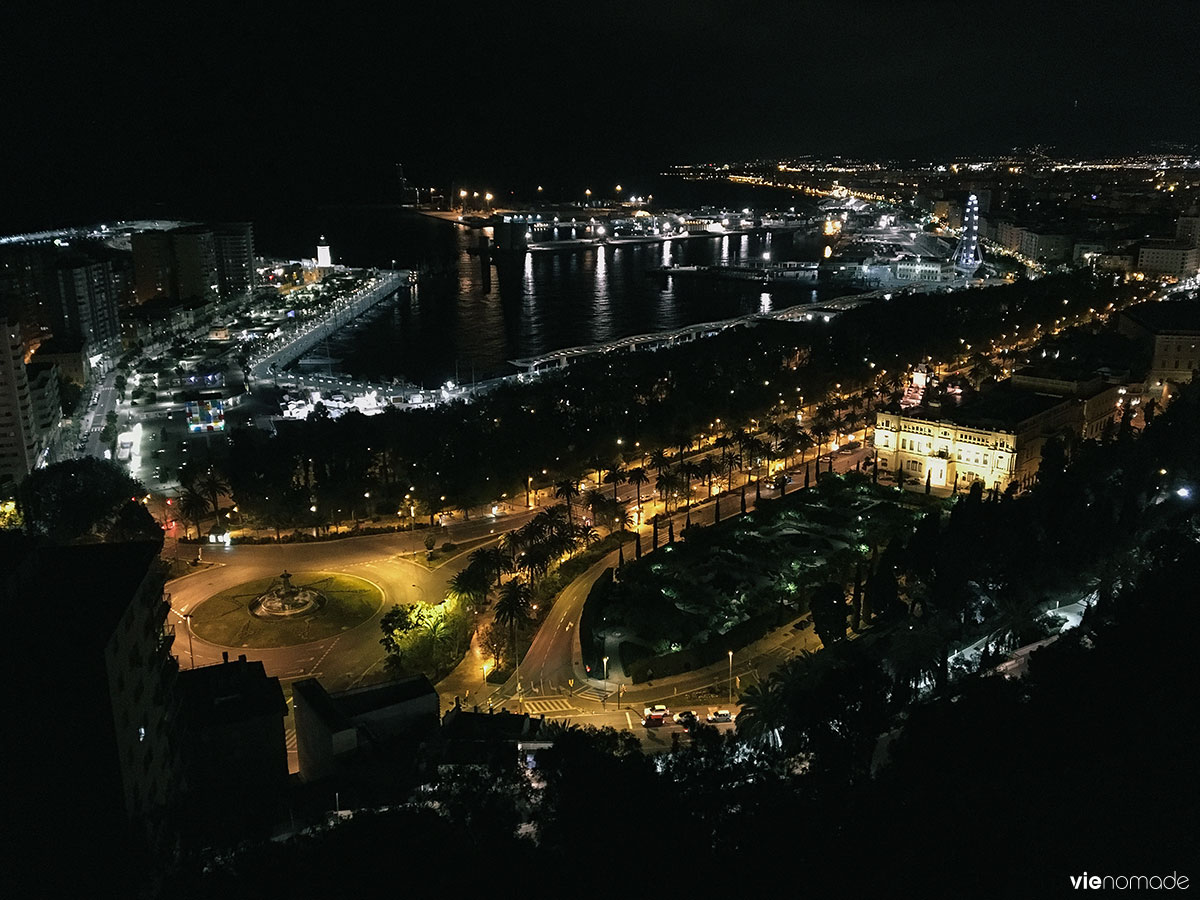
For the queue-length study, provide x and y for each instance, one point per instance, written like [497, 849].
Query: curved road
[386, 560]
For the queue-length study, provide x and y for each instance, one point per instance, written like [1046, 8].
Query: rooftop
[90, 585]
[340, 710]
[230, 692]
[1005, 407]
[1179, 315]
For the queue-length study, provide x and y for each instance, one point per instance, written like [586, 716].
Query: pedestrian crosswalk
[290, 739]
[594, 694]
[549, 705]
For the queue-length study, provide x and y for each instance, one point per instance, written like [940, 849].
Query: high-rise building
[152, 265]
[195, 263]
[21, 286]
[20, 440]
[95, 753]
[45, 398]
[181, 264]
[234, 244]
[83, 301]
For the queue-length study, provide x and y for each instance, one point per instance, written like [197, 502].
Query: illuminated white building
[995, 438]
[1177, 258]
[324, 257]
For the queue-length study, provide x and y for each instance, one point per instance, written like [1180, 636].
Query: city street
[340, 662]
[553, 667]
[552, 680]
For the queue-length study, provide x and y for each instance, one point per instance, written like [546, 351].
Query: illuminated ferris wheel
[967, 256]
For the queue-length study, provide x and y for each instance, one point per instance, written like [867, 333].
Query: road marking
[628, 720]
[549, 705]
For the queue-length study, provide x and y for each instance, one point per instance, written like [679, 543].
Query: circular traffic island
[286, 610]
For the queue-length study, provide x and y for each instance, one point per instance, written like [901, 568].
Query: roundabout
[286, 610]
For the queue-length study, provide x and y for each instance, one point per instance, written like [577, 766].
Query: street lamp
[606, 678]
[731, 677]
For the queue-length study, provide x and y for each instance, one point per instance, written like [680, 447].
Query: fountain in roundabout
[283, 600]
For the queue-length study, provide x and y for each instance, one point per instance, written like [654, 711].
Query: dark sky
[224, 109]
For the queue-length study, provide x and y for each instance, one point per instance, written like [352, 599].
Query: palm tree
[659, 460]
[213, 484]
[763, 713]
[512, 545]
[567, 490]
[756, 450]
[732, 461]
[665, 483]
[777, 431]
[513, 604]
[690, 471]
[827, 411]
[470, 585]
[596, 503]
[616, 475]
[742, 438]
[193, 506]
[435, 630]
[723, 443]
[637, 477]
[490, 560]
[821, 432]
[620, 519]
[804, 442]
[709, 467]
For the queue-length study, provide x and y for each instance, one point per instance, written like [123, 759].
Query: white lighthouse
[324, 258]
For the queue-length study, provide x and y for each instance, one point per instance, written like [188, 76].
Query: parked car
[686, 717]
[721, 715]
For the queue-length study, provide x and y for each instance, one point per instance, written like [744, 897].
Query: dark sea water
[472, 314]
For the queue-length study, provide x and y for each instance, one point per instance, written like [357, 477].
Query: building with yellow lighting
[951, 439]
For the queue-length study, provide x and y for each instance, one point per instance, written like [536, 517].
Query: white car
[657, 711]
[721, 715]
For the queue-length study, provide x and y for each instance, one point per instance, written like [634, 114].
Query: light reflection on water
[476, 312]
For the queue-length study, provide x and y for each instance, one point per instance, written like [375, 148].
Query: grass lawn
[225, 618]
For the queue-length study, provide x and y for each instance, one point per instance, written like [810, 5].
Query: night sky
[222, 111]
